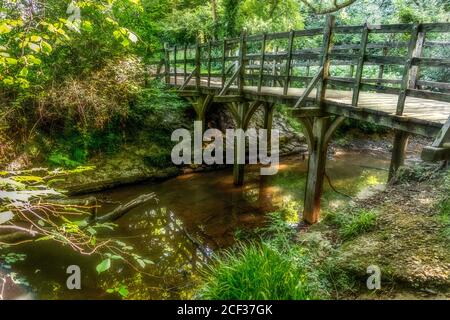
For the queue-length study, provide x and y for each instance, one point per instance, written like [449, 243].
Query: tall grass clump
[353, 223]
[257, 272]
[274, 268]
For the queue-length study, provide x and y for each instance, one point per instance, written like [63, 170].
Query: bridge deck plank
[416, 108]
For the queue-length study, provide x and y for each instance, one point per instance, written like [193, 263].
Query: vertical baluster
[185, 63]
[263, 58]
[175, 62]
[381, 68]
[209, 64]
[359, 68]
[288, 62]
[167, 63]
[242, 58]
[224, 60]
[274, 67]
[197, 65]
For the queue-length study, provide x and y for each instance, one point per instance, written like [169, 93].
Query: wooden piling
[398, 152]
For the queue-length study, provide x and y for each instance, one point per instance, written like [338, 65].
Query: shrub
[96, 100]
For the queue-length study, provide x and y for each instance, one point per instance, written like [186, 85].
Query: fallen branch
[121, 210]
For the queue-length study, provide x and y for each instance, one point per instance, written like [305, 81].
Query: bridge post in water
[316, 169]
[238, 168]
[398, 152]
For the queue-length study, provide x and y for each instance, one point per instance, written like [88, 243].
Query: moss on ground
[408, 242]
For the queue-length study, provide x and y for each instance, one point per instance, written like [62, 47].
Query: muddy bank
[409, 241]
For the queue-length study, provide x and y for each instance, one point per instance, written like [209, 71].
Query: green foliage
[257, 272]
[281, 265]
[122, 290]
[444, 207]
[351, 223]
[104, 265]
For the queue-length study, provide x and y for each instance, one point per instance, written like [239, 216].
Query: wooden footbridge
[389, 81]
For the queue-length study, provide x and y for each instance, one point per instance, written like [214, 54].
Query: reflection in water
[194, 216]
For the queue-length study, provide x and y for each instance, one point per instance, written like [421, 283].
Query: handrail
[277, 68]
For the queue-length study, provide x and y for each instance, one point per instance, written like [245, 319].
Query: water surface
[194, 216]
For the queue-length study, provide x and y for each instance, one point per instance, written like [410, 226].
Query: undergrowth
[276, 266]
[351, 222]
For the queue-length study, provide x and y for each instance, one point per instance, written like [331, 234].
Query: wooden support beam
[187, 80]
[230, 81]
[238, 169]
[310, 87]
[318, 133]
[433, 154]
[440, 149]
[228, 98]
[316, 170]
[398, 152]
[443, 136]
[268, 123]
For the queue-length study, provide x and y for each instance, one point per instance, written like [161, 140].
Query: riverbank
[402, 229]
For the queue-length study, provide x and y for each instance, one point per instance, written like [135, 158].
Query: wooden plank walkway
[416, 110]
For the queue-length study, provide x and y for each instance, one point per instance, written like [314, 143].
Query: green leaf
[8, 81]
[23, 72]
[123, 291]
[11, 61]
[4, 28]
[34, 47]
[33, 60]
[45, 238]
[117, 34]
[87, 26]
[35, 38]
[103, 266]
[46, 47]
[141, 263]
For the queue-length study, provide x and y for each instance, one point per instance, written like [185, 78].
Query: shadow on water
[195, 215]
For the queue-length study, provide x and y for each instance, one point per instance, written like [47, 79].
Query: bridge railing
[386, 58]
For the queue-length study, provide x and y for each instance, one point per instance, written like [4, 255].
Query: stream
[194, 216]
